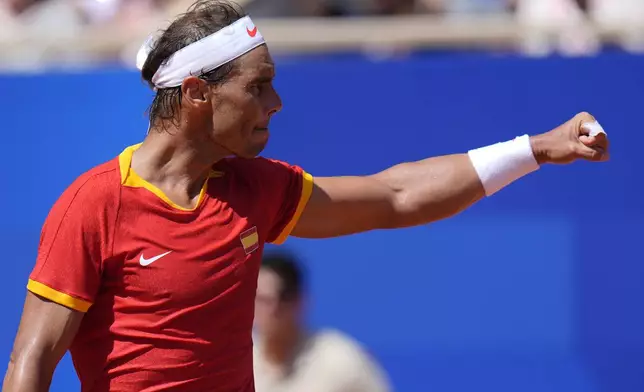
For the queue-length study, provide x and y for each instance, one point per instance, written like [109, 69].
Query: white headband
[204, 55]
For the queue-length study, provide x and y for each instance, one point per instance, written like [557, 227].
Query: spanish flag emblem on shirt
[250, 240]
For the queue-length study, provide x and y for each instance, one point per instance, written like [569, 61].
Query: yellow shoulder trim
[58, 297]
[307, 189]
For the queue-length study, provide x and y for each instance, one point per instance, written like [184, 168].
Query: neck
[170, 160]
[280, 349]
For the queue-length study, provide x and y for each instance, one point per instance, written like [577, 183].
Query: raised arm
[46, 331]
[416, 193]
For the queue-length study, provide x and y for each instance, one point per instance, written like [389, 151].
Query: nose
[274, 102]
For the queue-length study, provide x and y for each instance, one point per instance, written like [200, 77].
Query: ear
[194, 92]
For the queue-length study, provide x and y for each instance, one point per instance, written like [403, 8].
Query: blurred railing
[303, 35]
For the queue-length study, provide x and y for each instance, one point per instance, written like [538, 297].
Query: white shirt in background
[328, 361]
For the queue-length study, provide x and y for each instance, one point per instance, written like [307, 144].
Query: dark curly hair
[290, 272]
[203, 18]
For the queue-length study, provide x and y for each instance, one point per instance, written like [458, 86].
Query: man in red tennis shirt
[147, 265]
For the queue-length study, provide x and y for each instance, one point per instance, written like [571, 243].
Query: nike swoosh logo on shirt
[145, 262]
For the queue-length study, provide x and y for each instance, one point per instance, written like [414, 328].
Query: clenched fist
[579, 138]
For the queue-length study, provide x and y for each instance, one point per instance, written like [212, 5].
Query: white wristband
[501, 164]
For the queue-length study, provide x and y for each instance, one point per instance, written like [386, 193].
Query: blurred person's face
[274, 315]
[100, 10]
[394, 7]
[238, 111]
[18, 6]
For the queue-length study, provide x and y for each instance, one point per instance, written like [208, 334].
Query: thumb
[588, 141]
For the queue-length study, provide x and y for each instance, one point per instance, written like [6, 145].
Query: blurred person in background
[556, 26]
[28, 24]
[306, 8]
[35, 28]
[284, 8]
[624, 18]
[55, 19]
[331, 8]
[460, 7]
[288, 357]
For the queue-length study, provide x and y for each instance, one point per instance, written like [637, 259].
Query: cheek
[252, 115]
[224, 117]
[236, 118]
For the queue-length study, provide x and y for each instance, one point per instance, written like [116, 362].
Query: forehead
[257, 63]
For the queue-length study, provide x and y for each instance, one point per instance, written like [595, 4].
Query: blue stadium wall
[538, 289]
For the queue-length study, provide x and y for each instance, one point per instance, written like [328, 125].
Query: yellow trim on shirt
[125, 160]
[131, 179]
[307, 189]
[58, 297]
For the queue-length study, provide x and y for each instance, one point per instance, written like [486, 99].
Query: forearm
[25, 375]
[431, 189]
[437, 188]
[45, 333]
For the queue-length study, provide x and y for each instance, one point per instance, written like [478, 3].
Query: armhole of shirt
[305, 195]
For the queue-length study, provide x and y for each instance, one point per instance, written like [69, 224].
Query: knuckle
[586, 116]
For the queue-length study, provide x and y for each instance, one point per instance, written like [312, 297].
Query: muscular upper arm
[408, 194]
[46, 331]
[346, 205]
